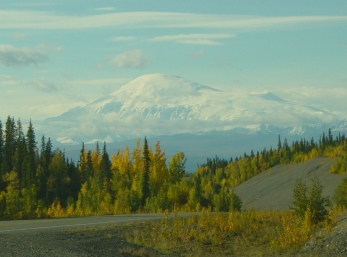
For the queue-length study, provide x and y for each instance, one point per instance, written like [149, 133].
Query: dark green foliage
[340, 195]
[105, 164]
[177, 167]
[29, 169]
[145, 174]
[226, 201]
[300, 201]
[235, 202]
[20, 153]
[9, 146]
[310, 199]
[58, 180]
[1, 156]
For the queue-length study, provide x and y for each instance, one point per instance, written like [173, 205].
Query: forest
[37, 181]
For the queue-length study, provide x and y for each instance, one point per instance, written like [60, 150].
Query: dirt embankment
[273, 189]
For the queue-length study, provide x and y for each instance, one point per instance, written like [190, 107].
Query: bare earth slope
[273, 189]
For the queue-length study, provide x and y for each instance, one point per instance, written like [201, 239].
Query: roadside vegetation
[247, 233]
[234, 233]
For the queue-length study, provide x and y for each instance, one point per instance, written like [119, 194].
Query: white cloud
[98, 82]
[19, 36]
[47, 110]
[130, 59]
[103, 86]
[104, 9]
[123, 38]
[331, 99]
[50, 48]
[199, 39]
[12, 56]
[99, 66]
[196, 54]
[4, 78]
[48, 20]
[42, 85]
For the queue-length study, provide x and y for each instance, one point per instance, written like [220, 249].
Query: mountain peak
[161, 86]
[267, 95]
[158, 104]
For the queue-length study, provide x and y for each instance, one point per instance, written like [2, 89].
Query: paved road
[38, 225]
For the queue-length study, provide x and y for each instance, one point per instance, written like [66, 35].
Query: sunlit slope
[273, 189]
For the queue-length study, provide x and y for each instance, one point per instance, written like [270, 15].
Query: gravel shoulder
[86, 242]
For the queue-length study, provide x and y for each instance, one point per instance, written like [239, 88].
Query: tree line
[217, 172]
[37, 181]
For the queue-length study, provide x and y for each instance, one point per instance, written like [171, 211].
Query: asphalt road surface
[42, 225]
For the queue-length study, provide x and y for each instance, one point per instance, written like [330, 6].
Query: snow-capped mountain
[199, 120]
[171, 97]
[158, 104]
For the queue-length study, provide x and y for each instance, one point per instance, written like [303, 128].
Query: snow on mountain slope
[158, 104]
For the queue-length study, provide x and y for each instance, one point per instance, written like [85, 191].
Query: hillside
[273, 189]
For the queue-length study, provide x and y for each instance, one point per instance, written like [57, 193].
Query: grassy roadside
[249, 233]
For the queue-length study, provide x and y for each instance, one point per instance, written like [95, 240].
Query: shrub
[340, 195]
[310, 199]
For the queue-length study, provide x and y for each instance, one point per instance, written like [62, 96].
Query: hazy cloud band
[10, 19]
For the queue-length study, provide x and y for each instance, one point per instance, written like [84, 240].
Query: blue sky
[55, 55]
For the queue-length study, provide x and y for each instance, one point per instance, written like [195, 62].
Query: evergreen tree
[279, 144]
[82, 165]
[145, 191]
[48, 151]
[105, 168]
[30, 160]
[9, 146]
[58, 180]
[1, 156]
[105, 163]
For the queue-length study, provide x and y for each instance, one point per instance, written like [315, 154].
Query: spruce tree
[105, 167]
[279, 144]
[145, 174]
[1, 155]
[30, 167]
[48, 150]
[9, 146]
[82, 164]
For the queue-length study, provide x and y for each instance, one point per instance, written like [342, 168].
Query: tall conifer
[30, 169]
[1, 154]
[9, 146]
[145, 174]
